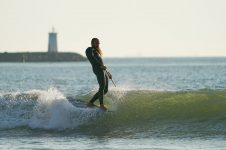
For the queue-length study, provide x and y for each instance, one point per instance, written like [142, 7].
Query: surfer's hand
[103, 67]
[109, 75]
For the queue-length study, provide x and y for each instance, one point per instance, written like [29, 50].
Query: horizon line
[154, 56]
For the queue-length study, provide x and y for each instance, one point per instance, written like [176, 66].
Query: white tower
[52, 42]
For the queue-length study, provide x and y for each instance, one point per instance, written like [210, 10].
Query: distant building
[52, 48]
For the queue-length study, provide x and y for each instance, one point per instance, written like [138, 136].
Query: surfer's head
[95, 44]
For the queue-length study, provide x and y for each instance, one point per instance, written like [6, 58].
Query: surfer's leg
[101, 81]
[106, 84]
[95, 97]
[101, 92]
[102, 84]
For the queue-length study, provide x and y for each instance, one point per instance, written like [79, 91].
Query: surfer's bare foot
[89, 104]
[102, 107]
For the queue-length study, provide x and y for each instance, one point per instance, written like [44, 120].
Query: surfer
[94, 55]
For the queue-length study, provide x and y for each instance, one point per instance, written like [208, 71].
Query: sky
[126, 28]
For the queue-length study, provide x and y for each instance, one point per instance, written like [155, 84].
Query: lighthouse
[52, 48]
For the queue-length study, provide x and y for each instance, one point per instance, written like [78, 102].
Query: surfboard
[81, 104]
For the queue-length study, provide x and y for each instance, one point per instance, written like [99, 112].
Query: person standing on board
[94, 55]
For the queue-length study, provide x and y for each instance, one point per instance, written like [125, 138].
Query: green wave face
[149, 110]
[196, 105]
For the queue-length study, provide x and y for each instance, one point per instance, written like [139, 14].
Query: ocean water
[159, 103]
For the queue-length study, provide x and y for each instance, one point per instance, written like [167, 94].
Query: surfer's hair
[96, 40]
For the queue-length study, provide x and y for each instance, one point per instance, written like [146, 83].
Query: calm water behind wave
[171, 74]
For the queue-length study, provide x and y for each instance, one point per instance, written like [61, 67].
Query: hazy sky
[125, 27]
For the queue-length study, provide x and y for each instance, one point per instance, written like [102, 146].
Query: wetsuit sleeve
[97, 58]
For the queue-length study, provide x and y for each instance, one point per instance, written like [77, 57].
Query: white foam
[50, 111]
[53, 111]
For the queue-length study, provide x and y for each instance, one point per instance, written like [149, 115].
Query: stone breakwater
[41, 57]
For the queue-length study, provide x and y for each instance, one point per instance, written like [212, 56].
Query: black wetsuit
[102, 78]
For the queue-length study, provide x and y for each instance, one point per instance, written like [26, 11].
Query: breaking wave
[141, 110]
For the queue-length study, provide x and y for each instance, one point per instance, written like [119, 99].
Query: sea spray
[15, 109]
[53, 111]
[41, 109]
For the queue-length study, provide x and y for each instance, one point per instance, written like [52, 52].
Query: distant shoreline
[41, 57]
